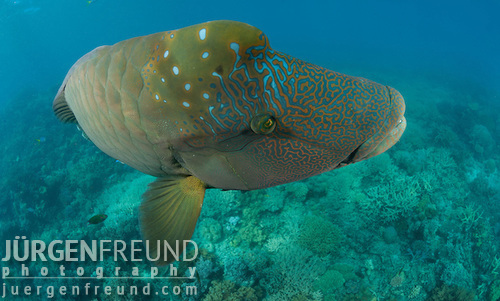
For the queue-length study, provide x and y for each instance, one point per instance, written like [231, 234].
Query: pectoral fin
[171, 206]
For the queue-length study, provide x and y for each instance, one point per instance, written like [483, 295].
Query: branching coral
[495, 265]
[470, 216]
[392, 200]
[292, 274]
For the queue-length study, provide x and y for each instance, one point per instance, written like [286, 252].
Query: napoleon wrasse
[214, 106]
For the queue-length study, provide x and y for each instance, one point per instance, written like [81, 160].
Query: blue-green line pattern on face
[321, 116]
[297, 92]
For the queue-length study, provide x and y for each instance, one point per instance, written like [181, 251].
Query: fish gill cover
[418, 222]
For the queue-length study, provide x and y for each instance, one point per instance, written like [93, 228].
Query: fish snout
[399, 107]
[390, 133]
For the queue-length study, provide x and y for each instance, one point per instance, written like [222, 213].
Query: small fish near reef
[214, 106]
[97, 219]
[39, 140]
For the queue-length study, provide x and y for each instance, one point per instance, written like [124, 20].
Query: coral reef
[227, 290]
[494, 294]
[451, 293]
[329, 282]
[320, 236]
[292, 274]
[418, 222]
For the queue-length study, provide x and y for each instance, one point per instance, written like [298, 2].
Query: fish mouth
[350, 158]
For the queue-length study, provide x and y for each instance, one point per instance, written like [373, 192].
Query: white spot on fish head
[187, 87]
[172, 36]
[203, 34]
[235, 47]
[175, 70]
[204, 55]
[186, 104]
[205, 95]
[163, 80]
[165, 54]
[157, 97]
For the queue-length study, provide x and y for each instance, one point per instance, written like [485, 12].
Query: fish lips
[389, 134]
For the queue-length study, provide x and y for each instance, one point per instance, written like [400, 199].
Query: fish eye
[263, 124]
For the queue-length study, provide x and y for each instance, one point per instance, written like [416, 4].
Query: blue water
[419, 222]
[40, 40]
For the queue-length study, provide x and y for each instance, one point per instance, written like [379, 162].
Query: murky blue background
[40, 40]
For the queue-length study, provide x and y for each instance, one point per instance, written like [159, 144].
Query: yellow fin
[169, 211]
